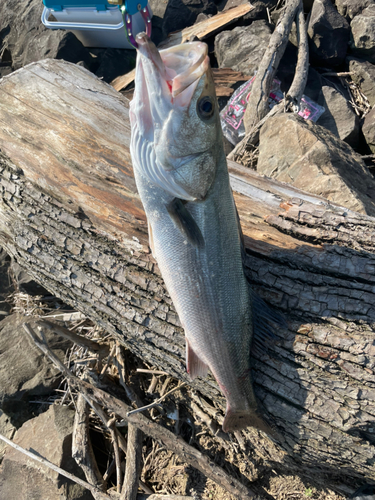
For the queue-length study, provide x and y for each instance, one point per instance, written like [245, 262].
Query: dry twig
[133, 464]
[82, 451]
[257, 107]
[189, 454]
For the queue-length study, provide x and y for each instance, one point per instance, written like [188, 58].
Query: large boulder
[26, 40]
[312, 158]
[6, 284]
[362, 42]
[49, 436]
[242, 48]
[339, 116]
[328, 33]
[182, 13]
[7, 429]
[363, 74]
[24, 370]
[350, 8]
[369, 129]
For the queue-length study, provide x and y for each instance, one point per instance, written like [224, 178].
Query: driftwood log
[70, 214]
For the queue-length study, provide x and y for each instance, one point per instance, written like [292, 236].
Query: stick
[99, 495]
[110, 425]
[133, 464]
[158, 401]
[257, 107]
[188, 454]
[82, 451]
[101, 349]
[298, 85]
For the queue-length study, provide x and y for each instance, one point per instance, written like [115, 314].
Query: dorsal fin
[185, 223]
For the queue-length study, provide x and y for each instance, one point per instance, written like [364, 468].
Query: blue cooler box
[94, 24]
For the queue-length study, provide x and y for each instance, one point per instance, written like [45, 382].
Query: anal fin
[194, 365]
[185, 222]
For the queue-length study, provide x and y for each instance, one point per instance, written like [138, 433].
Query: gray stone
[368, 129]
[312, 158]
[24, 370]
[328, 34]
[362, 41]
[364, 76]
[7, 429]
[339, 116]
[6, 285]
[115, 62]
[351, 8]
[242, 48]
[50, 436]
[25, 38]
[182, 13]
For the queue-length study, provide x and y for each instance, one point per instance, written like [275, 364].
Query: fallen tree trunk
[70, 214]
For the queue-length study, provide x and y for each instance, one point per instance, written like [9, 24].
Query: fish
[182, 178]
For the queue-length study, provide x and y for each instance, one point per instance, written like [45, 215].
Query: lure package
[232, 115]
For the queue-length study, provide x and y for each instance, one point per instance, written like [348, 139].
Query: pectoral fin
[151, 240]
[195, 366]
[185, 223]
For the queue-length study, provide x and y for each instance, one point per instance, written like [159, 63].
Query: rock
[328, 33]
[115, 62]
[50, 436]
[368, 129]
[339, 116]
[23, 35]
[182, 13]
[362, 41]
[350, 8]
[6, 285]
[311, 158]
[242, 48]
[364, 77]
[365, 492]
[24, 370]
[258, 12]
[25, 282]
[7, 429]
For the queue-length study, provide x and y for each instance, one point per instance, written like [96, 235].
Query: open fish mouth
[179, 67]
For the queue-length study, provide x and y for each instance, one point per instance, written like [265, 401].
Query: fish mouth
[179, 66]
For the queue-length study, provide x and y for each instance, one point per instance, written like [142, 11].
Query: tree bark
[70, 214]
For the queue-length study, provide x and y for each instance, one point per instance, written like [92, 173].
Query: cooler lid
[56, 5]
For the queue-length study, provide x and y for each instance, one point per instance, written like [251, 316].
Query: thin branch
[82, 451]
[158, 401]
[298, 85]
[133, 464]
[257, 107]
[188, 454]
[101, 349]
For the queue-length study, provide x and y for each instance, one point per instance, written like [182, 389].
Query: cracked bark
[70, 214]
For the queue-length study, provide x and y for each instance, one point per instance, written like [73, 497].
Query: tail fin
[236, 420]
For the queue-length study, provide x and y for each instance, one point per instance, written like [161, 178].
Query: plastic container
[94, 24]
[231, 116]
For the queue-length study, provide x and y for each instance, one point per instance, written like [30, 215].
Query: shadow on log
[71, 215]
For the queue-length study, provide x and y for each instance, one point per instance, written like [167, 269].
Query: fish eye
[205, 107]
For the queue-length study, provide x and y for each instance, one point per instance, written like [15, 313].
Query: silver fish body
[204, 277]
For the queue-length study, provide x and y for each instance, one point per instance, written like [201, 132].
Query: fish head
[175, 111]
